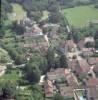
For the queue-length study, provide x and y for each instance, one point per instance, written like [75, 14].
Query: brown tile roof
[88, 51]
[93, 60]
[95, 68]
[92, 82]
[57, 73]
[72, 64]
[48, 88]
[35, 31]
[79, 66]
[35, 45]
[66, 90]
[92, 92]
[81, 44]
[92, 88]
[83, 66]
[72, 80]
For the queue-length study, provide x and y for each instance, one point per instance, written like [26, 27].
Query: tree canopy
[32, 73]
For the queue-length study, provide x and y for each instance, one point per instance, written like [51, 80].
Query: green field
[13, 76]
[81, 16]
[18, 12]
[4, 57]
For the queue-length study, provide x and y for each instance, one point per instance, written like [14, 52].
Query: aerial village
[61, 63]
[80, 77]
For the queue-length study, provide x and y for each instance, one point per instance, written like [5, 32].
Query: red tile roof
[81, 44]
[93, 60]
[57, 73]
[66, 90]
[84, 66]
[48, 88]
[96, 68]
[92, 82]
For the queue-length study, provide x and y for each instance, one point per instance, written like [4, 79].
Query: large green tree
[5, 8]
[51, 58]
[32, 73]
[96, 43]
[63, 61]
[9, 90]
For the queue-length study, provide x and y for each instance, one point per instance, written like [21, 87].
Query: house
[34, 31]
[79, 66]
[27, 22]
[36, 43]
[88, 51]
[60, 80]
[58, 73]
[89, 39]
[95, 69]
[41, 44]
[82, 67]
[48, 89]
[53, 29]
[62, 47]
[72, 64]
[70, 45]
[92, 60]
[66, 91]
[91, 88]
[80, 44]
[72, 80]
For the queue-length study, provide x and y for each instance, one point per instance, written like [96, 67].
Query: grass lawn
[13, 76]
[80, 16]
[18, 12]
[4, 57]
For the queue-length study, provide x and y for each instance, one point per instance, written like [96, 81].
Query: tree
[96, 6]
[58, 97]
[55, 17]
[2, 32]
[63, 61]
[32, 73]
[19, 60]
[76, 37]
[43, 65]
[69, 36]
[5, 8]
[96, 43]
[9, 90]
[57, 63]
[37, 92]
[53, 6]
[96, 35]
[50, 58]
[19, 29]
[35, 15]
